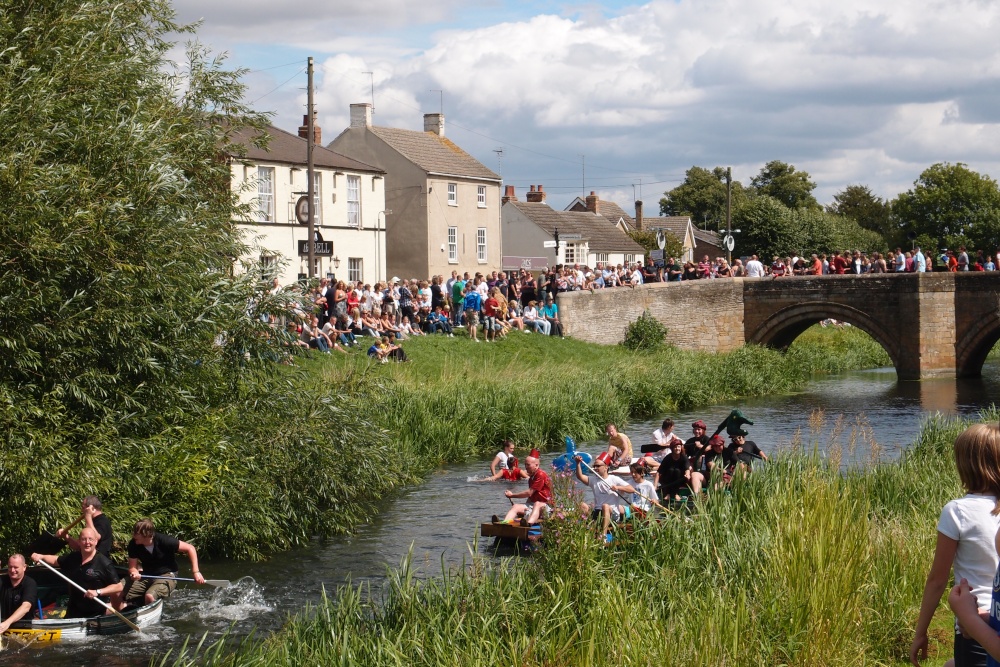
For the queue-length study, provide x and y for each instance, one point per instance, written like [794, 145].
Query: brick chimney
[508, 194]
[536, 196]
[593, 203]
[434, 123]
[638, 214]
[317, 131]
[361, 115]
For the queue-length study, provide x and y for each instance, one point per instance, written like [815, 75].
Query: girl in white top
[966, 530]
[500, 460]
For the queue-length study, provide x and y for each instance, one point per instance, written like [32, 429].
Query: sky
[621, 97]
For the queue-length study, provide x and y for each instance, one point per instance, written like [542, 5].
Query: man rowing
[539, 494]
[619, 447]
[95, 518]
[89, 569]
[157, 553]
[608, 504]
[18, 594]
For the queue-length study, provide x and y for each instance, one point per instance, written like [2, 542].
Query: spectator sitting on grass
[438, 321]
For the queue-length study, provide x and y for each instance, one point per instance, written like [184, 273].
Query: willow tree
[118, 238]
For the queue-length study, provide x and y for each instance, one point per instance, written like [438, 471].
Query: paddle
[84, 591]
[218, 583]
[49, 544]
[652, 447]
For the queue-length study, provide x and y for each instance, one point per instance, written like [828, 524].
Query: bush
[646, 333]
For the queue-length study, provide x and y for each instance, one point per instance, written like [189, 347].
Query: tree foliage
[951, 204]
[125, 337]
[702, 196]
[647, 239]
[783, 182]
[859, 203]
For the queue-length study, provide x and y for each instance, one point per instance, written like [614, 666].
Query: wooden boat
[53, 594]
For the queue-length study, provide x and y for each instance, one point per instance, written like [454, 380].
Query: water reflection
[439, 520]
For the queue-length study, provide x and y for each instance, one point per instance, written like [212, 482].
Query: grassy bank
[799, 565]
[456, 399]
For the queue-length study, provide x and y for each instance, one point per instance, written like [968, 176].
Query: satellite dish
[661, 239]
[729, 242]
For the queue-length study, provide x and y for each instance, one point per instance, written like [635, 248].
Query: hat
[604, 458]
[535, 454]
[395, 279]
[699, 424]
[716, 440]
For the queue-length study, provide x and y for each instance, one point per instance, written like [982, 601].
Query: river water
[438, 521]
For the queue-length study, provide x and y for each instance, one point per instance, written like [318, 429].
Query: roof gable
[434, 154]
[602, 234]
[287, 148]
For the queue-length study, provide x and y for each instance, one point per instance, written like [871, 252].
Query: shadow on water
[439, 519]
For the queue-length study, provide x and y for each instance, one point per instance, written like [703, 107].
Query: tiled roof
[434, 154]
[675, 224]
[287, 148]
[614, 212]
[598, 230]
[707, 237]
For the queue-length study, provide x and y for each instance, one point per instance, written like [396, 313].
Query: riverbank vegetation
[802, 563]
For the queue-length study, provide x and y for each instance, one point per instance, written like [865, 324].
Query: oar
[84, 591]
[652, 447]
[218, 583]
[48, 543]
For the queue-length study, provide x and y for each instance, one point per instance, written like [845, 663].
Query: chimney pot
[434, 123]
[508, 194]
[593, 203]
[361, 115]
[317, 131]
[536, 194]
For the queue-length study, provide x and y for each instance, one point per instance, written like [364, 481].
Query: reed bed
[801, 563]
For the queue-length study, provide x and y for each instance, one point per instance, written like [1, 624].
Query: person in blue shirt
[437, 321]
[550, 311]
[472, 304]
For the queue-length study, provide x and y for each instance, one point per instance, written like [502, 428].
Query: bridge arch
[783, 326]
[975, 345]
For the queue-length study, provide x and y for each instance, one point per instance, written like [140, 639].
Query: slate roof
[434, 154]
[601, 232]
[287, 148]
[707, 237]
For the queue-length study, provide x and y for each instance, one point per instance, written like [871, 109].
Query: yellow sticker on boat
[50, 635]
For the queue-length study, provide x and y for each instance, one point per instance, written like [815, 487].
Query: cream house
[349, 203]
[445, 204]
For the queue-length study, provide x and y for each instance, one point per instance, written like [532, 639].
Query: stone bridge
[931, 324]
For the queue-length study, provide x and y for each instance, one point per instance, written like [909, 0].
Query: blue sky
[622, 97]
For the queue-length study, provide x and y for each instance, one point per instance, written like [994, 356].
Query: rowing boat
[53, 594]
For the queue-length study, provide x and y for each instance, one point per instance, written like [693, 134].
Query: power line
[281, 85]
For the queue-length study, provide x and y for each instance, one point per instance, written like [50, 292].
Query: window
[569, 254]
[453, 194]
[602, 257]
[265, 194]
[481, 197]
[453, 245]
[317, 198]
[354, 201]
[481, 245]
[630, 259]
[355, 269]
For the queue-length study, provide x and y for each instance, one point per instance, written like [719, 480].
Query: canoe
[53, 594]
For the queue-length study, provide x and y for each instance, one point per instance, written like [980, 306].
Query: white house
[349, 205]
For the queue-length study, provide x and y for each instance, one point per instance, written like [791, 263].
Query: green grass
[800, 564]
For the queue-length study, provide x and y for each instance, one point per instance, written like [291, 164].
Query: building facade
[442, 205]
[349, 205]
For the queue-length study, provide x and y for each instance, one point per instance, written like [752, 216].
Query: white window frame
[631, 259]
[453, 245]
[354, 201]
[318, 197]
[602, 257]
[569, 254]
[481, 196]
[481, 245]
[355, 269]
[453, 194]
[265, 194]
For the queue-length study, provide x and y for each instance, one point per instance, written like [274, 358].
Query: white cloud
[853, 93]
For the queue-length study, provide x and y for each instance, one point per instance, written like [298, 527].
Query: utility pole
[311, 175]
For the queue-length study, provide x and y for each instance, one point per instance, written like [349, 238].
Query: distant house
[349, 201]
[585, 237]
[442, 205]
[611, 211]
[694, 242]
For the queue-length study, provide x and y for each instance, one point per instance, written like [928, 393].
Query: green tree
[859, 203]
[647, 239]
[951, 204]
[702, 196]
[768, 228]
[783, 182]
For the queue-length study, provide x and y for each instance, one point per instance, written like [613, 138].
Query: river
[438, 520]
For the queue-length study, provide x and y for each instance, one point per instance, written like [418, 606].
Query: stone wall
[705, 315]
